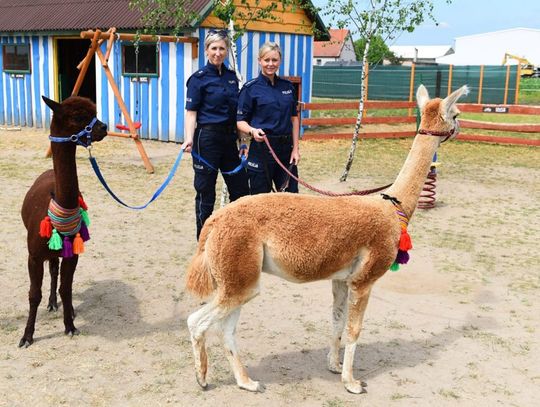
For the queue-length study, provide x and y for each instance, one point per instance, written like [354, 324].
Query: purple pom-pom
[402, 257]
[67, 248]
[85, 235]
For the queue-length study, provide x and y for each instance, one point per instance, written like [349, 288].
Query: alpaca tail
[199, 280]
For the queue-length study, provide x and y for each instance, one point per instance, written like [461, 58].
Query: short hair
[268, 47]
[217, 35]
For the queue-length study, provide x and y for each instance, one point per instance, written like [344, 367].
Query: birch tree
[370, 19]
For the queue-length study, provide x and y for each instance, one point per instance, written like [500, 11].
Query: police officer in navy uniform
[210, 128]
[267, 107]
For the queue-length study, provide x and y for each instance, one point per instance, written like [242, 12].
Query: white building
[420, 54]
[339, 48]
[490, 48]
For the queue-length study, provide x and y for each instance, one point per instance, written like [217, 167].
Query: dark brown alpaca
[73, 123]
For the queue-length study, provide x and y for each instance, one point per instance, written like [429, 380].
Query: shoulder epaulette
[249, 83]
[199, 73]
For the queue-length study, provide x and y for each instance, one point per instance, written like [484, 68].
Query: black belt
[218, 127]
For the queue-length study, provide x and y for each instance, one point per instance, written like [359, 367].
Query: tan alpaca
[301, 238]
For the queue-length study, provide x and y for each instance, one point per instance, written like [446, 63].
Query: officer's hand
[295, 157]
[186, 146]
[258, 135]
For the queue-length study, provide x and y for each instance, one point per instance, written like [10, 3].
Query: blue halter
[76, 138]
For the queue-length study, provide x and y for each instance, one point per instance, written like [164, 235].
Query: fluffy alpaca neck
[66, 192]
[410, 180]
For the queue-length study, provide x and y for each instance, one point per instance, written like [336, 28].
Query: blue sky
[467, 17]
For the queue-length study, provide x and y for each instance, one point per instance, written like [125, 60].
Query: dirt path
[458, 326]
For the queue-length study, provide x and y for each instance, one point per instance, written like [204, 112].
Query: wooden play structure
[97, 37]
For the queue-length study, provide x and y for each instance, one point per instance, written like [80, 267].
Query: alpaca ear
[54, 106]
[422, 96]
[452, 98]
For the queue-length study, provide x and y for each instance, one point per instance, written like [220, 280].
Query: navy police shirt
[268, 107]
[212, 95]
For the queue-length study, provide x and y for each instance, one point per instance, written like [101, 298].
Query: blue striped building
[158, 101]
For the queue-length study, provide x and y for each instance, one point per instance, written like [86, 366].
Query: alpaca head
[440, 115]
[73, 115]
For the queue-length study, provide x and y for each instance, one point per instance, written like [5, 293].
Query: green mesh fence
[393, 82]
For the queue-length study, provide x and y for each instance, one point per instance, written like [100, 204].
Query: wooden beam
[372, 104]
[339, 121]
[125, 111]
[480, 84]
[506, 82]
[144, 37]
[348, 136]
[516, 127]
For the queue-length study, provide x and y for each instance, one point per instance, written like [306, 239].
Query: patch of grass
[399, 396]
[529, 91]
[449, 394]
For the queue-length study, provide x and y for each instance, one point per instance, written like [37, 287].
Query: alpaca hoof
[25, 343]
[202, 382]
[72, 332]
[256, 387]
[335, 367]
[355, 387]
[52, 307]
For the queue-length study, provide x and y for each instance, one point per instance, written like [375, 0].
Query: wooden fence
[308, 134]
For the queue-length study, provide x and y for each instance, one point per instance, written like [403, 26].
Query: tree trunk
[365, 70]
[233, 57]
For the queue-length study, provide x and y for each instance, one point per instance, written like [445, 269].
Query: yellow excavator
[527, 69]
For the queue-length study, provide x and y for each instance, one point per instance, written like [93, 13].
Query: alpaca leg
[356, 307]
[67, 269]
[339, 310]
[229, 342]
[53, 271]
[198, 324]
[35, 271]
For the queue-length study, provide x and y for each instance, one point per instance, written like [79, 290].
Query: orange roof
[333, 47]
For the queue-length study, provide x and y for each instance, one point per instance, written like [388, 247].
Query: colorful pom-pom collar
[405, 243]
[72, 224]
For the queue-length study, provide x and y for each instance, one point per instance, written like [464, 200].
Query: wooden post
[518, 78]
[411, 87]
[480, 83]
[450, 72]
[506, 81]
[124, 109]
[86, 63]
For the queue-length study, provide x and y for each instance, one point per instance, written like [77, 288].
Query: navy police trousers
[219, 149]
[264, 171]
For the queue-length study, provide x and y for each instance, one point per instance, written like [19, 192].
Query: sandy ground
[458, 326]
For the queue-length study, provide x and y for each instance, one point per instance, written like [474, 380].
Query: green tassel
[85, 217]
[55, 242]
[394, 267]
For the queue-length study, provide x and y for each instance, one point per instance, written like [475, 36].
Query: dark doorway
[70, 53]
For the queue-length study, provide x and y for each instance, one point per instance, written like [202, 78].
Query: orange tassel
[45, 227]
[78, 244]
[82, 204]
[405, 243]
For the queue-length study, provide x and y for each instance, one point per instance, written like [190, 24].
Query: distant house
[420, 54]
[340, 48]
[41, 47]
[490, 48]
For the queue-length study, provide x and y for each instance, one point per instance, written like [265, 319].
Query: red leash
[320, 191]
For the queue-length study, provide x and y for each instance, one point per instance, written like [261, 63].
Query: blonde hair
[269, 47]
[217, 35]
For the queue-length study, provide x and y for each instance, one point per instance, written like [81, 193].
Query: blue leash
[243, 162]
[86, 133]
[96, 169]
